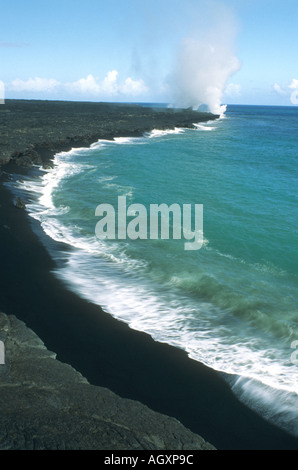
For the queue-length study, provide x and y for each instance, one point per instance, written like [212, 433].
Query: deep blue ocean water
[232, 304]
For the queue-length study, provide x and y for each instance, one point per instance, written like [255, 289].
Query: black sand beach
[106, 351]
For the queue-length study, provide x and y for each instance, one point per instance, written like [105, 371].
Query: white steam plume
[204, 64]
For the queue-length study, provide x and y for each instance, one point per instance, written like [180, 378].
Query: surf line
[158, 222]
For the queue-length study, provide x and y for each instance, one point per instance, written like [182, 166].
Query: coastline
[59, 410]
[32, 131]
[107, 352]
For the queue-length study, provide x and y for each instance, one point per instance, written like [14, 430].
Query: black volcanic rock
[32, 131]
[47, 405]
[20, 203]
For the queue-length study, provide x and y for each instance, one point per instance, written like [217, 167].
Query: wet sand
[110, 354]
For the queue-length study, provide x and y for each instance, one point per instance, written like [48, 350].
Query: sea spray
[204, 62]
[231, 305]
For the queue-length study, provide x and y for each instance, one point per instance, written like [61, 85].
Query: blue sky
[150, 50]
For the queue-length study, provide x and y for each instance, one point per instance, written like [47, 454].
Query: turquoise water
[232, 304]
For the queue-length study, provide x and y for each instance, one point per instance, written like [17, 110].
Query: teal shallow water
[232, 304]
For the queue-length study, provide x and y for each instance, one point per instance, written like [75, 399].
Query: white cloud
[109, 87]
[110, 83]
[133, 87]
[84, 85]
[92, 85]
[36, 84]
[233, 89]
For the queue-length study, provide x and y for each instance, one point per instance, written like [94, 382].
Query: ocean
[232, 304]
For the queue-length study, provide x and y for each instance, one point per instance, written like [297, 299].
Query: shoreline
[108, 353]
[32, 131]
[59, 410]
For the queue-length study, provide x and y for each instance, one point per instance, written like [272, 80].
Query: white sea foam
[102, 143]
[117, 284]
[124, 140]
[144, 308]
[103, 273]
[161, 133]
[275, 405]
[201, 127]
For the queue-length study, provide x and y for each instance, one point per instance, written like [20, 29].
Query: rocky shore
[123, 374]
[32, 131]
[47, 405]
